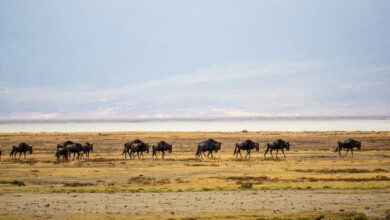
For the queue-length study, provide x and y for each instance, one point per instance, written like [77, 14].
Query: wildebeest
[62, 152]
[21, 148]
[349, 144]
[161, 146]
[247, 145]
[277, 145]
[87, 148]
[209, 145]
[127, 147]
[73, 147]
[139, 148]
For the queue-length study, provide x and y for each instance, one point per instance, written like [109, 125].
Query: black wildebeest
[87, 148]
[247, 145]
[349, 144]
[139, 148]
[277, 145]
[21, 148]
[161, 146]
[127, 147]
[62, 152]
[209, 145]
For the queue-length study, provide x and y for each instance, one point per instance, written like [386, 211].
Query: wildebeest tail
[198, 152]
[124, 149]
[235, 150]
[338, 145]
[13, 150]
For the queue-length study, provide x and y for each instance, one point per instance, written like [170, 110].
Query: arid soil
[312, 182]
[188, 203]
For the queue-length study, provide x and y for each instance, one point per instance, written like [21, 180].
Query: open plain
[312, 182]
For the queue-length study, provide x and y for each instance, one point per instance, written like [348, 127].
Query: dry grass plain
[311, 170]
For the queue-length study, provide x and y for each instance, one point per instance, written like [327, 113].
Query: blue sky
[163, 59]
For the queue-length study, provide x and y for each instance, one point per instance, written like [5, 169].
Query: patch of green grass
[18, 183]
[246, 185]
[13, 182]
[77, 184]
[331, 171]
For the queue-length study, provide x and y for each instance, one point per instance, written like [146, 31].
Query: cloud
[311, 87]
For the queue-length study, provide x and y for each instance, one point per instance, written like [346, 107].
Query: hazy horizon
[205, 60]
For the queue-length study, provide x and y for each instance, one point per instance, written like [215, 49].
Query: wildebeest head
[147, 146]
[91, 146]
[218, 146]
[58, 153]
[169, 148]
[257, 146]
[358, 145]
[288, 145]
[30, 149]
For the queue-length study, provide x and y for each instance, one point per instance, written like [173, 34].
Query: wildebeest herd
[137, 147]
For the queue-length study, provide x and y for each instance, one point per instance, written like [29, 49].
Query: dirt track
[155, 204]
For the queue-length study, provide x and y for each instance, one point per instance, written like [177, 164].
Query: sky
[94, 59]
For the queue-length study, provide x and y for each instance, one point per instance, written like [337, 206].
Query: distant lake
[257, 125]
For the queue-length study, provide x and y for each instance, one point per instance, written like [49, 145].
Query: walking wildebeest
[127, 147]
[139, 148]
[73, 147]
[247, 145]
[86, 148]
[349, 144]
[209, 145]
[161, 146]
[21, 148]
[277, 145]
[62, 152]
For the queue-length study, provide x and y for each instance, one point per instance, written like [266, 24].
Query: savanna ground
[312, 182]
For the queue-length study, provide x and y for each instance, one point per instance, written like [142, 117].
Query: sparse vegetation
[77, 184]
[311, 165]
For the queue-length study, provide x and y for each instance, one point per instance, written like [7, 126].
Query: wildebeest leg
[239, 151]
[340, 152]
[24, 155]
[283, 153]
[277, 151]
[352, 151]
[346, 153]
[248, 153]
[20, 154]
[131, 155]
[271, 153]
[163, 155]
[266, 151]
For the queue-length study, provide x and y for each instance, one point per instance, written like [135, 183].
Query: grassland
[311, 165]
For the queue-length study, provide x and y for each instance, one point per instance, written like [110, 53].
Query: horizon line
[189, 119]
